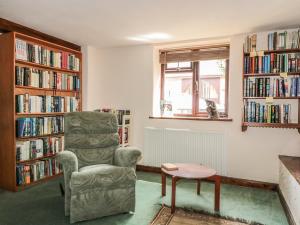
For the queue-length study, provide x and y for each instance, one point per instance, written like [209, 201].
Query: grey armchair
[99, 176]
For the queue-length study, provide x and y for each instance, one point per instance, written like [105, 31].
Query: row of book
[38, 126]
[272, 86]
[119, 113]
[26, 150]
[46, 79]
[41, 55]
[267, 113]
[46, 104]
[285, 39]
[123, 139]
[28, 173]
[272, 63]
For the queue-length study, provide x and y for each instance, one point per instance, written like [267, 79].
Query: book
[169, 166]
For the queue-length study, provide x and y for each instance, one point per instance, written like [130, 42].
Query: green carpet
[43, 205]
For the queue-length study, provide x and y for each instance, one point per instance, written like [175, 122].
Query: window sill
[223, 119]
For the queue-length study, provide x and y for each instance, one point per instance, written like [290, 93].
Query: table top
[191, 171]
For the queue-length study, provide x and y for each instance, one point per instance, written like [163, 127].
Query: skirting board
[224, 180]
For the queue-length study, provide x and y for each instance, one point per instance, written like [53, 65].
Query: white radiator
[184, 146]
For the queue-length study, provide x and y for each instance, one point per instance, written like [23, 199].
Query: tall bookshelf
[271, 72]
[8, 110]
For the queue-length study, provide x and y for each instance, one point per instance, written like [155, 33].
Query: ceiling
[113, 23]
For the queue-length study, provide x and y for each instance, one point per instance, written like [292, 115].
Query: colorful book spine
[266, 113]
[44, 56]
[38, 126]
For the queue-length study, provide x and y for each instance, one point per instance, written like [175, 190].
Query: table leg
[174, 180]
[198, 187]
[217, 192]
[163, 184]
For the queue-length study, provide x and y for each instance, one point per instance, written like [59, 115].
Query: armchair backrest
[92, 136]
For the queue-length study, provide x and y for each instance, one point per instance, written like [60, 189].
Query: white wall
[123, 78]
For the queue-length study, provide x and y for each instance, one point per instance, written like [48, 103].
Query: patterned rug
[187, 217]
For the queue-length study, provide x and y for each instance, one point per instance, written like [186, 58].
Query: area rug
[188, 217]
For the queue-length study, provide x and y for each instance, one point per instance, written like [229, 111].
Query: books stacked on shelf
[123, 138]
[40, 55]
[28, 173]
[267, 113]
[283, 40]
[123, 117]
[27, 150]
[250, 43]
[272, 63]
[45, 104]
[279, 40]
[272, 86]
[46, 79]
[38, 126]
[119, 113]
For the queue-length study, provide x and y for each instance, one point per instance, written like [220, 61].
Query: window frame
[195, 88]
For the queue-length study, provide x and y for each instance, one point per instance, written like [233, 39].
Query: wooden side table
[194, 172]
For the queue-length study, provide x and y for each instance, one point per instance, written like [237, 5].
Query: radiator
[185, 146]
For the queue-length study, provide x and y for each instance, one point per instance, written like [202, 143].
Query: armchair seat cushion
[102, 177]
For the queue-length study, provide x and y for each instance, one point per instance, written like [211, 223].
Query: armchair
[99, 176]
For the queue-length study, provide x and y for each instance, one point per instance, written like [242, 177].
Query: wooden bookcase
[8, 115]
[245, 125]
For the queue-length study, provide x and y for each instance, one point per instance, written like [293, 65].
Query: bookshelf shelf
[15, 50]
[258, 79]
[268, 74]
[19, 115]
[37, 137]
[270, 125]
[36, 159]
[43, 67]
[278, 51]
[272, 97]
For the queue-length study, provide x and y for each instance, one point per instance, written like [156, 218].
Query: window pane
[178, 91]
[172, 65]
[178, 65]
[185, 64]
[212, 83]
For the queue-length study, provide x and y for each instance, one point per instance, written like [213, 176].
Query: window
[201, 74]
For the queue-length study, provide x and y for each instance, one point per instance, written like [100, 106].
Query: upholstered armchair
[99, 176]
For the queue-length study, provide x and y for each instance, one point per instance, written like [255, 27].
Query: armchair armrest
[127, 157]
[69, 162]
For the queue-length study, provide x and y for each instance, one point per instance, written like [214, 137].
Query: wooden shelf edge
[269, 74]
[272, 125]
[37, 137]
[23, 186]
[36, 159]
[290, 50]
[271, 97]
[18, 115]
[45, 89]
[44, 67]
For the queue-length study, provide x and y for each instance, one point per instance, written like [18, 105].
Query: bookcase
[124, 118]
[271, 80]
[39, 82]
